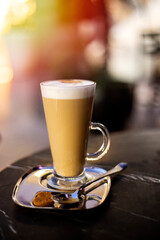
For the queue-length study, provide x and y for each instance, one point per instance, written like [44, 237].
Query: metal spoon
[77, 198]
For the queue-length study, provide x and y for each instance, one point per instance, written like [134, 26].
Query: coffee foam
[68, 89]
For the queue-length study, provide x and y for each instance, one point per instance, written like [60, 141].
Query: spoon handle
[118, 168]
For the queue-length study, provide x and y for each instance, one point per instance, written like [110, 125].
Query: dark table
[131, 210]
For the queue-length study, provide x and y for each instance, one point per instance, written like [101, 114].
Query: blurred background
[113, 42]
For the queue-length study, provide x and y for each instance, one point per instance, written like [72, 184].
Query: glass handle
[105, 145]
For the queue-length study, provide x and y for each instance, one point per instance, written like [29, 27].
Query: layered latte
[68, 108]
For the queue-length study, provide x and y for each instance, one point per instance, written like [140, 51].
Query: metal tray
[32, 191]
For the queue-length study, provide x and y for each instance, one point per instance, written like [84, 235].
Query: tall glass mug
[68, 106]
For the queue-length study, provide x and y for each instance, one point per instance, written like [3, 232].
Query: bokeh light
[14, 12]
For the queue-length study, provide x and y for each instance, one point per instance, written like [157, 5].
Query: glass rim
[46, 83]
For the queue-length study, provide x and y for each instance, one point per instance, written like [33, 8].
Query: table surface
[131, 210]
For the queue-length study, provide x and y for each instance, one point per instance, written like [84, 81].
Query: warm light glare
[6, 72]
[87, 29]
[95, 53]
[4, 6]
[6, 75]
[20, 10]
[15, 12]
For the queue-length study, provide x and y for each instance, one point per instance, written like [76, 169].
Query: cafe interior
[115, 43]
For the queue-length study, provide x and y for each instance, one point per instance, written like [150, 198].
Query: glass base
[70, 183]
[32, 190]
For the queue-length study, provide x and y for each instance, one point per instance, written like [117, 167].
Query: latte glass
[68, 106]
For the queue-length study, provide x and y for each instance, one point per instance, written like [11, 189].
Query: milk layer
[68, 89]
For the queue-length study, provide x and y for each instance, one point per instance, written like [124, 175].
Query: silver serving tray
[32, 191]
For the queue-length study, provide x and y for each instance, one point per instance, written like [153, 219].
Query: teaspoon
[78, 197]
